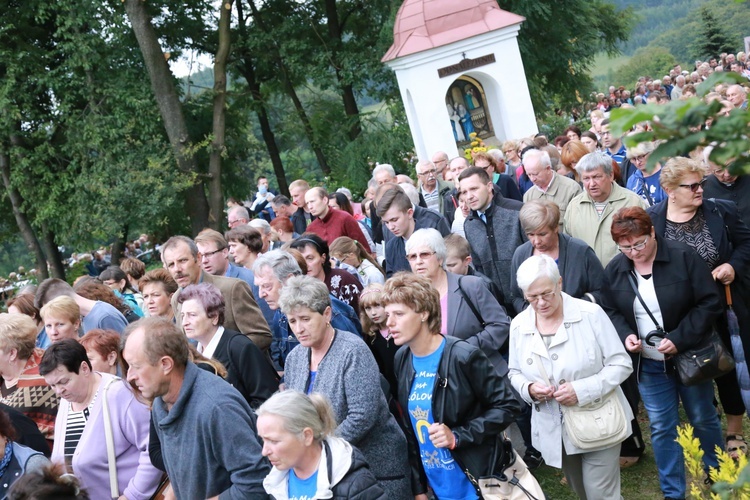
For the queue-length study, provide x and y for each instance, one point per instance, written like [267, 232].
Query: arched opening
[467, 108]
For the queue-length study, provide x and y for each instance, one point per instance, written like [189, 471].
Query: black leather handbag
[708, 360]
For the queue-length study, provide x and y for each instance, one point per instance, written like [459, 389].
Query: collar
[548, 185]
[571, 314]
[208, 351]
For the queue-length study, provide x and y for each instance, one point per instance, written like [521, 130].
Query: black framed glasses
[428, 173]
[694, 186]
[211, 254]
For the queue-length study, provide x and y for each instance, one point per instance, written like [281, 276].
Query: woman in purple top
[80, 440]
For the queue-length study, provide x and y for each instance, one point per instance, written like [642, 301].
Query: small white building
[460, 71]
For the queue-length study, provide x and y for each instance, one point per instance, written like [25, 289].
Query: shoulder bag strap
[114, 489]
[634, 285]
[470, 304]
[443, 382]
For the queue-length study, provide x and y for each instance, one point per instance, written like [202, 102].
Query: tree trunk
[347, 90]
[170, 108]
[215, 196]
[53, 254]
[118, 246]
[289, 88]
[24, 226]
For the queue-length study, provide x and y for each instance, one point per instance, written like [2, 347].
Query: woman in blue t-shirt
[642, 182]
[308, 461]
[456, 403]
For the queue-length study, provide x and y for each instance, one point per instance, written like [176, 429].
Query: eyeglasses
[638, 159]
[428, 173]
[421, 256]
[211, 254]
[694, 186]
[546, 296]
[638, 246]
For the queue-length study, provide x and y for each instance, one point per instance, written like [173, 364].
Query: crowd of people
[324, 348]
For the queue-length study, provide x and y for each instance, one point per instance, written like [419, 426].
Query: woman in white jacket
[583, 360]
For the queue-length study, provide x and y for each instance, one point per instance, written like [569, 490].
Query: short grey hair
[346, 192]
[282, 264]
[593, 161]
[432, 239]
[411, 192]
[424, 163]
[384, 167]
[497, 154]
[260, 224]
[534, 268]
[542, 156]
[240, 211]
[304, 291]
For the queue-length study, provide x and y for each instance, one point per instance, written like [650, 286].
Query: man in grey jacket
[208, 439]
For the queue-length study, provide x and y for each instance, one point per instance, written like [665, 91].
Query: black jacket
[248, 369]
[469, 397]
[505, 185]
[688, 298]
[299, 222]
[359, 483]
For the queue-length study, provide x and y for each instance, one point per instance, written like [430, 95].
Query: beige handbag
[595, 425]
[513, 481]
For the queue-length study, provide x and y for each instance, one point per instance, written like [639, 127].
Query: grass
[603, 69]
[640, 481]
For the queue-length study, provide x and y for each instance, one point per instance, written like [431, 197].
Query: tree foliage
[713, 38]
[654, 62]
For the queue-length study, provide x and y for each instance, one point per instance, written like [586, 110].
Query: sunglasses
[694, 186]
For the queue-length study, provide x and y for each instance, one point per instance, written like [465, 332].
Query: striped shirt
[74, 428]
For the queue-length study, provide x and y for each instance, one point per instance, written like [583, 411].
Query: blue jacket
[343, 318]
[248, 277]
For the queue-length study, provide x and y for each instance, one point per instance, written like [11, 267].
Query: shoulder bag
[596, 425]
[508, 480]
[706, 361]
[114, 489]
[471, 304]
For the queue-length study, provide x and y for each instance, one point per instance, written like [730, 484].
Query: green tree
[713, 40]
[654, 62]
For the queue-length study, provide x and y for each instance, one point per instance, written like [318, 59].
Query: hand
[441, 436]
[633, 343]
[566, 395]
[667, 347]
[541, 392]
[724, 274]
[269, 196]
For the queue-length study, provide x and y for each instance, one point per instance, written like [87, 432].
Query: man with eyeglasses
[432, 188]
[589, 215]
[548, 185]
[214, 257]
[723, 185]
[237, 216]
[181, 257]
[440, 159]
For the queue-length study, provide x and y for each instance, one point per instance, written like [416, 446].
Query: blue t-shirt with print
[648, 188]
[302, 489]
[444, 475]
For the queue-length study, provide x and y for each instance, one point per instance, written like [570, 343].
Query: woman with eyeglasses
[715, 230]
[468, 309]
[677, 288]
[642, 182]
[566, 352]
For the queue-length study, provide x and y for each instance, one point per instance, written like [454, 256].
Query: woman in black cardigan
[715, 230]
[678, 290]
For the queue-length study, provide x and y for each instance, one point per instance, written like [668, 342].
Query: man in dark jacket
[492, 228]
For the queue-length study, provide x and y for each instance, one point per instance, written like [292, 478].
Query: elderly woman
[340, 366]
[80, 432]
[468, 310]
[245, 244]
[582, 273]
[675, 285]
[24, 304]
[642, 182]
[308, 460]
[16, 459]
[21, 387]
[62, 319]
[342, 284]
[714, 229]
[565, 352]
[453, 423]
[512, 160]
[103, 350]
[248, 370]
[157, 287]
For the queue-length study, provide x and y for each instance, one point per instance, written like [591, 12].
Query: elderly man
[679, 84]
[214, 252]
[430, 186]
[548, 185]
[723, 185]
[737, 95]
[272, 269]
[264, 228]
[283, 207]
[181, 257]
[492, 228]
[589, 215]
[330, 224]
[384, 173]
[237, 216]
[667, 83]
[440, 160]
[206, 430]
